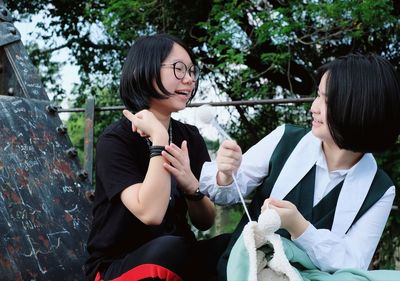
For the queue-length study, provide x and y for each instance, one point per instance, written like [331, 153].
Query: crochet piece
[266, 259]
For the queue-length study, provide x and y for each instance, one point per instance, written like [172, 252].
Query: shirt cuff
[307, 239]
[221, 195]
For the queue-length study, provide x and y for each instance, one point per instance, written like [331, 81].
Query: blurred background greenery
[248, 50]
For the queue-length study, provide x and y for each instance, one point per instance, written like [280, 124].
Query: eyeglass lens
[180, 70]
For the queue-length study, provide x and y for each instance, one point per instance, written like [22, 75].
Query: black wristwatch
[196, 196]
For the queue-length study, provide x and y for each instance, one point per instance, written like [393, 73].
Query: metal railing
[90, 109]
[197, 104]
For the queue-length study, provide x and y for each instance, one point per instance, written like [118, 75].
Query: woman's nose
[314, 106]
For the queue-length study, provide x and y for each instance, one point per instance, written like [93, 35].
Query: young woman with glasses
[147, 170]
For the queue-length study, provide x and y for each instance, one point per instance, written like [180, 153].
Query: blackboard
[44, 215]
[20, 73]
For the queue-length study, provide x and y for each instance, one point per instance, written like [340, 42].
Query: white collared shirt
[330, 250]
[325, 181]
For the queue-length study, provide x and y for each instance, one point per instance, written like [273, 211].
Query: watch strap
[196, 196]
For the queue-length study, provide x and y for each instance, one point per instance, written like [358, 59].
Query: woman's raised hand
[229, 157]
[178, 164]
[148, 126]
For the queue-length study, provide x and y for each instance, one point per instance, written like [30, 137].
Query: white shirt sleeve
[253, 169]
[330, 252]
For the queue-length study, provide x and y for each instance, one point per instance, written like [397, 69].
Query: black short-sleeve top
[122, 159]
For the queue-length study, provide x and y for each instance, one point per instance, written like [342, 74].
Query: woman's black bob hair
[141, 71]
[363, 102]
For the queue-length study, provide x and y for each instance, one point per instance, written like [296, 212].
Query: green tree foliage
[249, 49]
[390, 162]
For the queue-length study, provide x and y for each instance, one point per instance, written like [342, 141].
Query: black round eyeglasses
[180, 70]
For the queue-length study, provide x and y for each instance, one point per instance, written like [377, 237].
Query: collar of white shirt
[354, 190]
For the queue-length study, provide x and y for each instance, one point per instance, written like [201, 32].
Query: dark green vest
[302, 195]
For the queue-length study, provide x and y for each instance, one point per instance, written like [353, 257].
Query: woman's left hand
[178, 164]
[291, 219]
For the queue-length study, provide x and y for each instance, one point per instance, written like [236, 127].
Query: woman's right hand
[291, 219]
[229, 157]
[148, 126]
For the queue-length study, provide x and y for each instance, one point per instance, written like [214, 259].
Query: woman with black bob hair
[332, 199]
[147, 170]
[141, 73]
[362, 97]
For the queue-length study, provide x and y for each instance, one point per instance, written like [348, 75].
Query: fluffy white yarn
[256, 234]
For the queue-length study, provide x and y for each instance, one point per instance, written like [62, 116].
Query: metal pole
[88, 145]
[197, 104]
